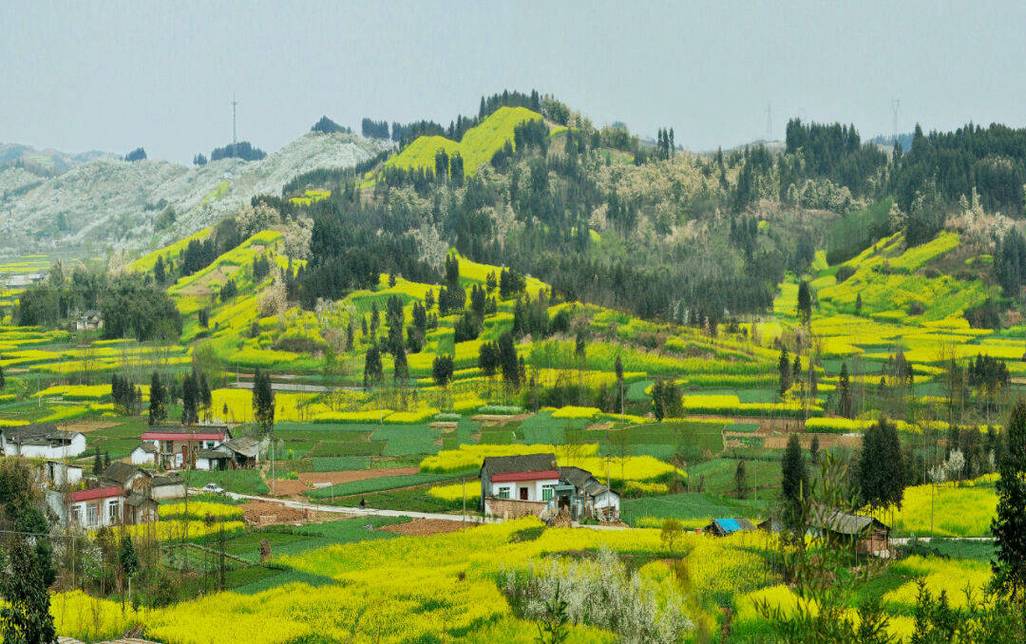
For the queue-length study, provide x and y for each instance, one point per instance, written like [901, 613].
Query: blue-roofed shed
[724, 527]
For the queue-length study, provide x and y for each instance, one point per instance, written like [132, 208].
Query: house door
[523, 494]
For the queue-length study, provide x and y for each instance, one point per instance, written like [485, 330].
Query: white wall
[77, 447]
[79, 512]
[142, 457]
[534, 488]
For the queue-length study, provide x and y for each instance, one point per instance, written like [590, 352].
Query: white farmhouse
[41, 441]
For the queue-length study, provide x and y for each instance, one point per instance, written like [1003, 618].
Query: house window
[112, 511]
[76, 514]
[503, 492]
[91, 514]
[547, 492]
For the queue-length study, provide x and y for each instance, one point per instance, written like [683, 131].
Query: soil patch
[348, 476]
[264, 513]
[286, 487]
[86, 426]
[423, 527]
[495, 420]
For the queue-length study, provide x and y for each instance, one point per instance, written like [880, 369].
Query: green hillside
[477, 147]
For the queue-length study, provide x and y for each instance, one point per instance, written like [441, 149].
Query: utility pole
[769, 121]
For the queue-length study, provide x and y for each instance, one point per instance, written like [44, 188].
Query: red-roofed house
[529, 481]
[172, 447]
[97, 507]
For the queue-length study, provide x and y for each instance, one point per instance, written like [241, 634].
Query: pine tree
[372, 368]
[794, 483]
[804, 303]
[189, 407]
[1009, 526]
[97, 463]
[784, 367]
[158, 402]
[741, 480]
[845, 404]
[263, 400]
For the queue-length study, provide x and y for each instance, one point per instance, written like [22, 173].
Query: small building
[516, 486]
[867, 534]
[90, 320]
[585, 496]
[41, 441]
[169, 486]
[59, 473]
[96, 507]
[129, 477]
[24, 280]
[176, 446]
[144, 454]
[725, 527]
[140, 507]
[245, 451]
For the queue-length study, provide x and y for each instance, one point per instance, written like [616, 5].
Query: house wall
[513, 509]
[607, 500]
[80, 512]
[60, 474]
[76, 448]
[160, 492]
[534, 488]
[142, 457]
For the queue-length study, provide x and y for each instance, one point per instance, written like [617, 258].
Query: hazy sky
[113, 76]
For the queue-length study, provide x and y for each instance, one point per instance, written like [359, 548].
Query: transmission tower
[895, 106]
[235, 139]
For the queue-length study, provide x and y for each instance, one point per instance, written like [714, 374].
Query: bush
[844, 272]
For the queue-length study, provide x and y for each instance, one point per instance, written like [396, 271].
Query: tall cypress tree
[263, 400]
[845, 406]
[1009, 527]
[189, 397]
[795, 481]
[784, 367]
[804, 303]
[158, 401]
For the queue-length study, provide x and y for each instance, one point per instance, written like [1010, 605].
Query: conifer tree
[158, 400]
[845, 404]
[263, 400]
[1009, 526]
[804, 303]
[784, 367]
[794, 483]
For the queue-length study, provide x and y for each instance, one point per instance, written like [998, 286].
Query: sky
[113, 75]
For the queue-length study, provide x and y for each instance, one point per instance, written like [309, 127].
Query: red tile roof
[97, 493]
[183, 437]
[539, 475]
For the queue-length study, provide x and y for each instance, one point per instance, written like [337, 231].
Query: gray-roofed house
[144, 454]
[585, 496]
[90, 320]
[168, 486]
[129, 477]
[41, 441]
[245, 451]
[866, 533]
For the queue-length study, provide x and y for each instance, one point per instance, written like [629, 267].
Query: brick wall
[513, 508]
